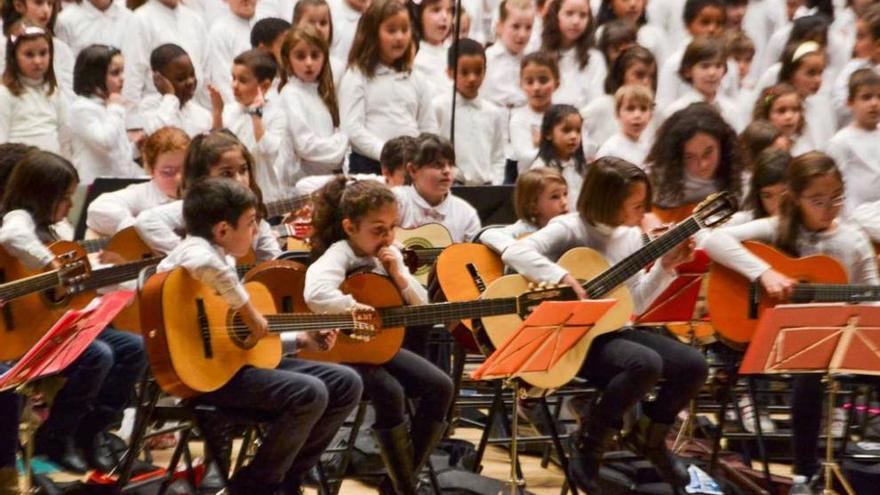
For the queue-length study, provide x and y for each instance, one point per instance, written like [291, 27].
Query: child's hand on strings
[777, 285]
[163, 85]
[680, 254]
[576, 286]
[255, 321]
[110, 258]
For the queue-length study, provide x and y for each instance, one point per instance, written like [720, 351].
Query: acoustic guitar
[421, 247]
[735, 303]
[34, 302]
[196, 343]
[674, 215]
[601, 282]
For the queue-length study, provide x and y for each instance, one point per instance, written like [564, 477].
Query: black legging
[629, 364]
[806, 420]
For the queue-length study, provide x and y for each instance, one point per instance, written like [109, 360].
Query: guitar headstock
[538, 293]
[716, 209]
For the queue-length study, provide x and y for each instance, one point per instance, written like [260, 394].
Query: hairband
[26, 31]
[804, 49]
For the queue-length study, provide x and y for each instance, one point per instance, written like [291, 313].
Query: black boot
[60, 450]
[648, 438]
[95, 444]
[245, 484]
[425, 437]
[586, 455]
[396, 449]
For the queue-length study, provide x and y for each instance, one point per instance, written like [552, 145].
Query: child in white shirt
[229, 36]
[309, 101]
[504, 57]
[635, 110]
[175, 79]
[561, 148]
[32, 108]
[781, 105]
[163, 155]
[255, 119]
[856, 148]
[428, 199]
[345, 14]
[479, 125]
[867, 55]
[88, 22]
[802, 66]
[316, 13]
[539, 78]
[649, 36]
[568, 33]
[99, 141]
[380, 96]
[433, 24]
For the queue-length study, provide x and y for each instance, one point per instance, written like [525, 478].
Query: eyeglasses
[825, 203]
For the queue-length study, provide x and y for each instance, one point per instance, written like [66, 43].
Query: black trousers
[10, 408]
[308, 400]
[806, 420]
[360, 164]
[407, 375]
[630, 363]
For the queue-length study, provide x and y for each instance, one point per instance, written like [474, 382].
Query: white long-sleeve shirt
[99, 140]
[345, 20]
[857, 154]
[867, 216]
[573, 178]
[728, 109]
[454, 213]
[267, 150]
[521, 146]
[500, 238]
[431, 62]
[156, 24]
[578, 85]
[62, 62]
[162, 228]
[320, 147]
[388, 105]
[209, 264]
[840, 90]
[113, 211]
[670, 86]
[81, 24]
[325, 276]
[535, 256]
[501, 85]
[18, 236]
[228, 37]
[282, 9]
[479, 138]
[845, 242]
[157, 111]
[35, 117]
[621, 146]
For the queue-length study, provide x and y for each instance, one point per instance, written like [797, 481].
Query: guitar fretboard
[835, 293]
[284, 206]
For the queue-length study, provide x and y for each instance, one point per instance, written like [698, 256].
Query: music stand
[541, 342]
[831, 339]
[56, 350]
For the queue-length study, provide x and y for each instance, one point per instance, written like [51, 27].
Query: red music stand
[543, 339]
[831, 339]
[57, 349]
[678, 302]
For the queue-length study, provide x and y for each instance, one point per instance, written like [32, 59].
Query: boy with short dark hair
[396, 154]
[267, 34]
[306, 401]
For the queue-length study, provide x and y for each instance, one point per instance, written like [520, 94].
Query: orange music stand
[553, 329]
[678, 303]
[57, 349]
[831, 339]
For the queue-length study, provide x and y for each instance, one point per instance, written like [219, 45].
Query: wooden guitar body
[128, 244]
[188, 345]
[461, 269]
[431, 235]
[728, 292]
[379, 292]
[584, 264]
[23, 321]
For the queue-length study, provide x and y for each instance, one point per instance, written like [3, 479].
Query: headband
[805, 49]
[27, 31]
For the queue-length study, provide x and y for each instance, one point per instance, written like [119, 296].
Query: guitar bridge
[204, 329]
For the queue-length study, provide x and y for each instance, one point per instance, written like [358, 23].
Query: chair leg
[557, 444]
[349, 447]
[146, 404]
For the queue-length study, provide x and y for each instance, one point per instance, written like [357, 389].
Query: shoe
[747, 412]
[60, 450]
[9, 481]
[244, 484]
[425, 437]
[292, 485]
[99, 455]
[396, 449]
[586, 455]
[648, 438]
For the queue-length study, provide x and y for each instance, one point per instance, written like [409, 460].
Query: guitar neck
[429, 314]
[610, 279]
[306, 322]
[94, 245]
[115, 274]
[835, 293]
[284, 206]
[29, 285]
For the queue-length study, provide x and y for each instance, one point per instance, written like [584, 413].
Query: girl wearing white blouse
[99, 140]
[538, 78]
[631, 362]
[309, 100]
[32, 108]
[561, 147]
[433, 23]
[568, 32]
[381, 97]
[807, 224]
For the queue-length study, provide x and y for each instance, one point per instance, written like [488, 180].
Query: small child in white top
[649, 36]
[380, 72]
[163, 154]
[99, 140]
[635, 110]
[503, 58]
[568, 33]
[175, 80]
[316, 13]
[32, 108]
[428, 199]
[856, 148]
[255, 119]
[80, 24]
[230, 35]
[539, 78]
[479, 125]
[562, 149]
[781, 105]
[432, 24]
[346, 14]
[309, 101]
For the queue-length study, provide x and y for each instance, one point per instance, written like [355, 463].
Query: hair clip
[804, 49]
[26, 31]
[768, 100]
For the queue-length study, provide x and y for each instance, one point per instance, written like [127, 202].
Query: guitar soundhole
[56, 297]
[240, 334]
[419, 243]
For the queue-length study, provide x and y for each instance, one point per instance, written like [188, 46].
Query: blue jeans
[10, 407]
